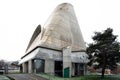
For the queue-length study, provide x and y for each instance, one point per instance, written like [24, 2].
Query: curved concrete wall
[61, 30]
[35, 34]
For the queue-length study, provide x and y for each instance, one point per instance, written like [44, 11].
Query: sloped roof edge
[35, 34]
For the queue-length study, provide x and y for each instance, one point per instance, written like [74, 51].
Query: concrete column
[67, 61]
[85, 69]
[25, 67]
[21, 68]
[49, 66]
[73, 69]
[30, 66]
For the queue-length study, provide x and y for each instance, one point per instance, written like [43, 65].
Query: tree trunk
[104, 64]
[103, 71]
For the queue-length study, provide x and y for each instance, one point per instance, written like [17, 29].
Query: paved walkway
[25, 77]
[2, 77]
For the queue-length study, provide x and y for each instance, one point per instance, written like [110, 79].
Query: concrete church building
[58, 48]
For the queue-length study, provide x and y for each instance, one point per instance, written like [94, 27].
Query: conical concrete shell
[61, 30]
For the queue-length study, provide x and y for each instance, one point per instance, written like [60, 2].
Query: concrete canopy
[61, 30]
[41, 53]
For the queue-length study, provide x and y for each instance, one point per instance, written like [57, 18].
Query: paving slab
[26, 77]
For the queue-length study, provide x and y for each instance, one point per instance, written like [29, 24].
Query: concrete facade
[25, 67]
[58, 48]
[73, 70]
[61, 30]
[67, 60]
[65, 56]
[49, 66]
[30, 66]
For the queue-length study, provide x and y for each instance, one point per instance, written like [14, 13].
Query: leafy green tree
[104, 50]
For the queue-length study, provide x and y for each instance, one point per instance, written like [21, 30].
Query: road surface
[26, 77]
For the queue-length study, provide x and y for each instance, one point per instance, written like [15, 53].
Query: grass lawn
[90, 77]
[2, 77]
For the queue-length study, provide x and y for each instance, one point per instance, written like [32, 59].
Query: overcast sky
[19, 18]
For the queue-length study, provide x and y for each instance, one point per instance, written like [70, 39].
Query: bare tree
[2, 62]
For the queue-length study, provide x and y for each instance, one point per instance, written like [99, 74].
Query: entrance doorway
[58, 68]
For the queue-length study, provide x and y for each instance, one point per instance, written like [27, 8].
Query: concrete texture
[25, 77]
[30, 66]
[85, 69]
[61, 30]
[67, 59]
[49, 66]
[73, 70]
[3, 77]
[25, 67]
[43, 53]
[35, 34]
[60, 40]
